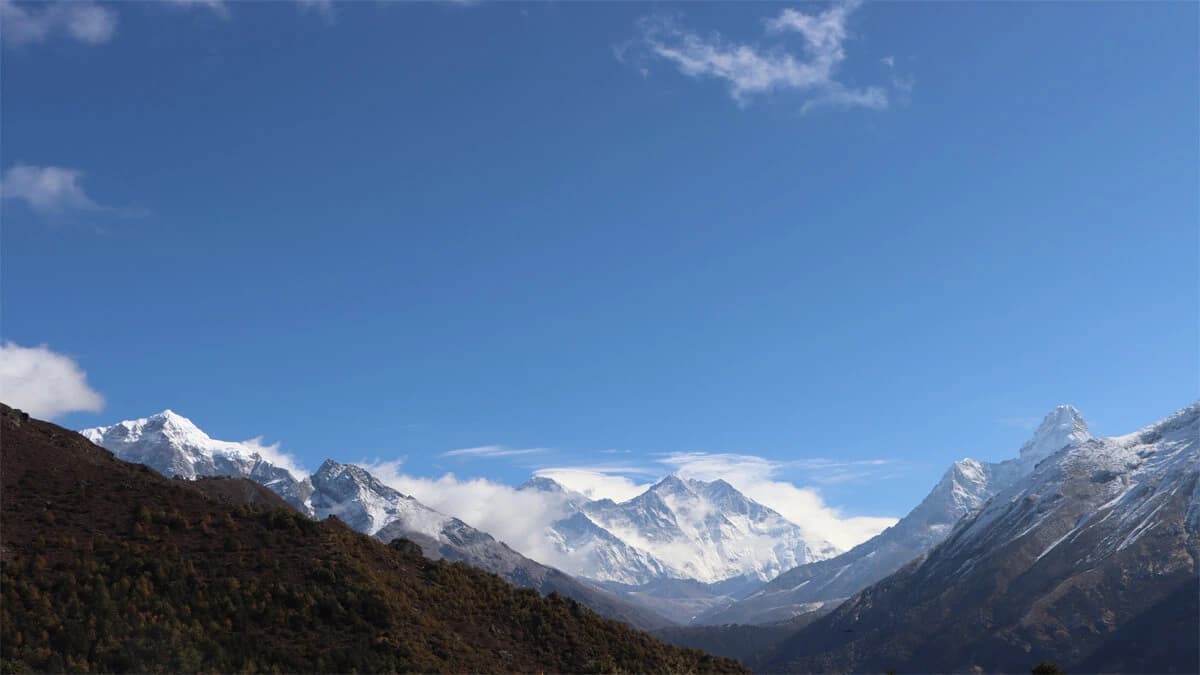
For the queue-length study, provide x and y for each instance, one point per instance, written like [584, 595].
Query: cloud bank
[516, 517]
[521, 518]
[749, 69]
[44, 383]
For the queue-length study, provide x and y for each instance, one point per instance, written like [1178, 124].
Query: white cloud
[274, 455]
[521, 518]
[322, 7]
[598, 482]
[44, 383]
[217, 7]
[50, 191]
[756, 478]
[750, 70]
[516, 517]
[841, 98]
[492, 451]
[30, 23]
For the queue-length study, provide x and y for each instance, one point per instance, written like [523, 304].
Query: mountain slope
[965, 487]
[109, 566]
[1098, 544]
[175, 446]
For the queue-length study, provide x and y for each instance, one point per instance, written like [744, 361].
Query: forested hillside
[108, 566]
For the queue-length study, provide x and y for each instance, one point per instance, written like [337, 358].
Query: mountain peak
[331, 470]
[173, 420]
[329, 466]
[542, 484]
[672, 478]
[1062, 426]
[722, 485]
[671, 483]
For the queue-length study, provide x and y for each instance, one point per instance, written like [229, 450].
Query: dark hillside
[108, 566]
[236, 492]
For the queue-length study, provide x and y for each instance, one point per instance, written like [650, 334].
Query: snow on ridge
[1062, 426]
[175, 446]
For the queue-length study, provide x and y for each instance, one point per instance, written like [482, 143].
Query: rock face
[964, 488]
[175, 447]
[1091, 554]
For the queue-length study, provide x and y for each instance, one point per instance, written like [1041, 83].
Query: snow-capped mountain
[364, 503]
[172, 445]
[1062, 427]
[963, 489]
[175, 447]
[680, 529]
[1088, 560]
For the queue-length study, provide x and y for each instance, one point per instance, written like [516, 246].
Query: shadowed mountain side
[1087, 562]
[966, 485]
[479, 549]
[236, 492]
[174, 446]
[750, 644]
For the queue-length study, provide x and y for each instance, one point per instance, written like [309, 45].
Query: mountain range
[107, 566]
[679, 549]
[175, 447]
[679, 529]
[1074, 547]
[1088, 560]
[966, 485]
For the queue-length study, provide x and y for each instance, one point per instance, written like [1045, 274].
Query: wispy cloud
[217, 7]
[493, 451]
[619, 483]
[750, 69]
[50, 191]
[273, 453]
[323, 8]
[830, 471]
[35, 22]
[44, 383]
[55, 193]
[221, 8]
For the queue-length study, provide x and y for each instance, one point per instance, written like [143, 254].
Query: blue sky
[851, 243]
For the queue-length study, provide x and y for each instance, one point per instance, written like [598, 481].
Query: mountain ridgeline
[1080, 550]
[966, 485]
[174, 446]
[1089, 561]
[682, 548]
[109, 566]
